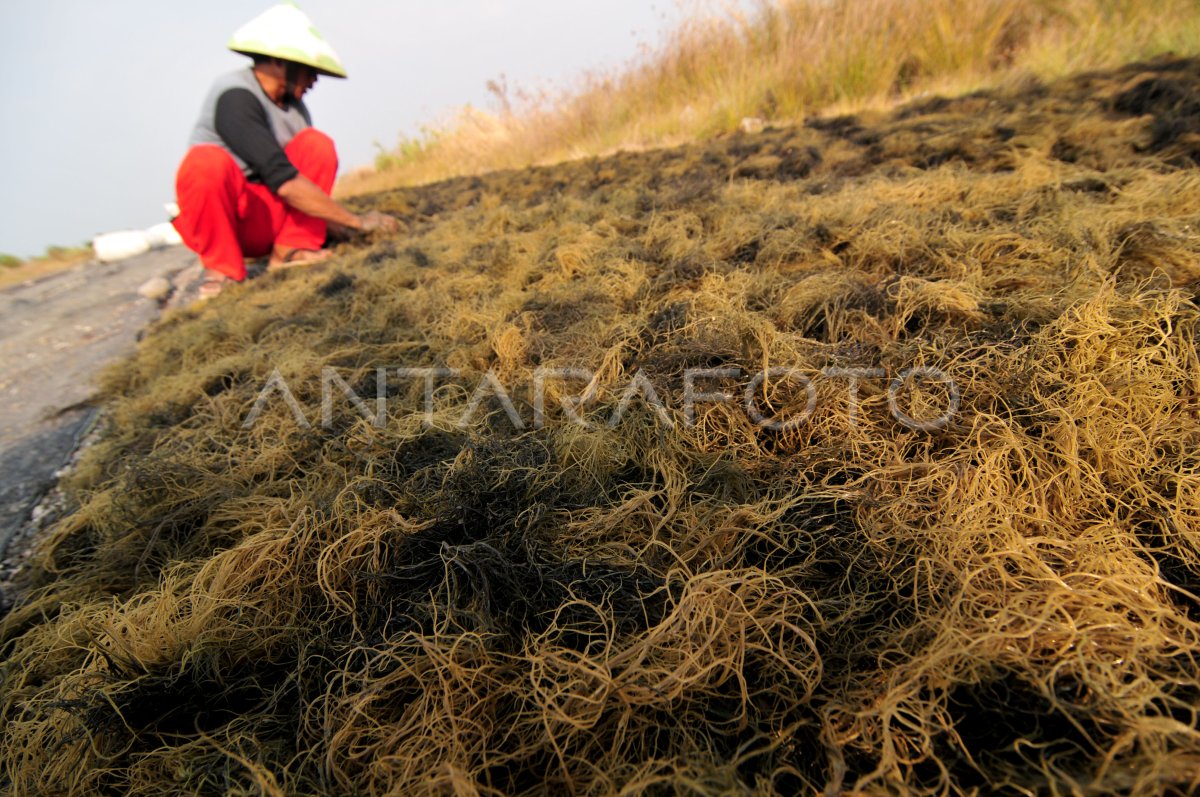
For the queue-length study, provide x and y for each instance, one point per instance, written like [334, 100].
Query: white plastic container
[163, 234]
[113, 246]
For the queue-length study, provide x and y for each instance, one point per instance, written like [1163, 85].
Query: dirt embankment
[59, 332]
[939, 535]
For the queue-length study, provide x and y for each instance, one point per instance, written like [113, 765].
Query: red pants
[224, 218]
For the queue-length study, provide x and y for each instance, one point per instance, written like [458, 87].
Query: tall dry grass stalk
[786, 60]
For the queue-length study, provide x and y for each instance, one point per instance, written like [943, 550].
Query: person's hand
[374, 221]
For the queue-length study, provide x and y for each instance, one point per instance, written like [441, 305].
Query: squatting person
[257, 176]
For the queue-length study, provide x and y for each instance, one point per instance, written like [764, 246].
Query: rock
[155, 289]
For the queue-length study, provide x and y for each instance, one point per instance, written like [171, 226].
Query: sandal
[212, 286]
[297, 257]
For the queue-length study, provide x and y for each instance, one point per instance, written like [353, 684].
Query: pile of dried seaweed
[941, 533]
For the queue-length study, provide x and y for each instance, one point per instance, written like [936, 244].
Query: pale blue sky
[98, 98]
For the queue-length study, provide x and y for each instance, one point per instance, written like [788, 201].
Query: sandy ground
[57, 334]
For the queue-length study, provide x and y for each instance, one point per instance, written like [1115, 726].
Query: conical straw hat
[284, 31]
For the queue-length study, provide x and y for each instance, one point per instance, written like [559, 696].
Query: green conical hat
[284, 31]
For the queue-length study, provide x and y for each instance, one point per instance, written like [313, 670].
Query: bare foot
[290, 258]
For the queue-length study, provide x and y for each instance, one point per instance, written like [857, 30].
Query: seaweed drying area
[520, 584]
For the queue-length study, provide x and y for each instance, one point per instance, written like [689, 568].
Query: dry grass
[55, 260]
[785, 61]
[1010, 601]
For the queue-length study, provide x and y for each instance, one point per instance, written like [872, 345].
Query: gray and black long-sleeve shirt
[239, 117]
